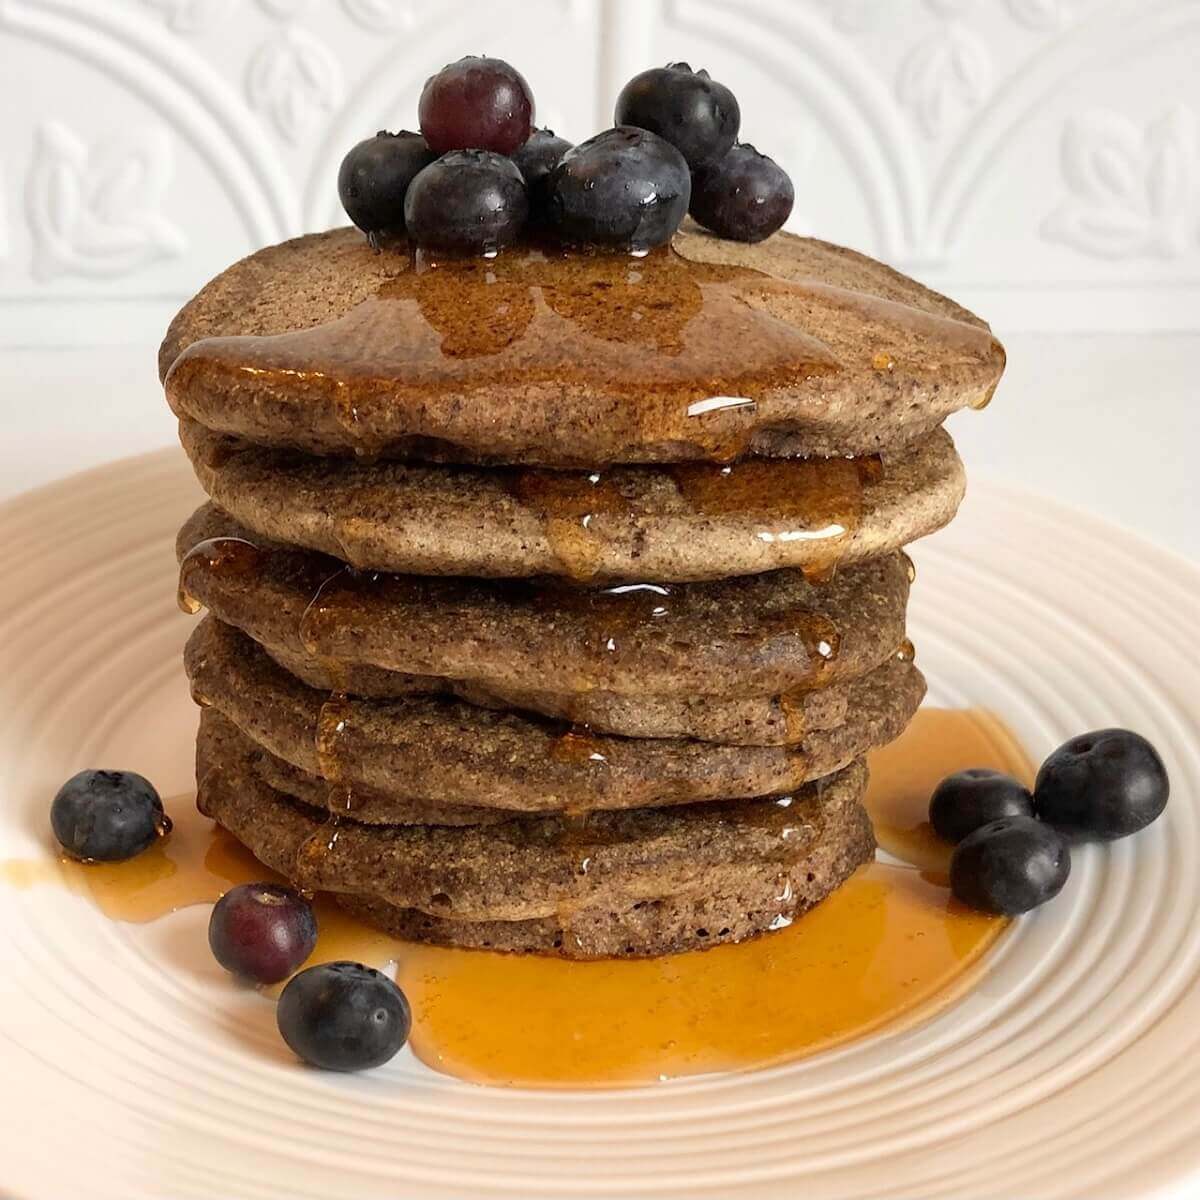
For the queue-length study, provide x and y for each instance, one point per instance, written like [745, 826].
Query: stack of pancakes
[554, 600]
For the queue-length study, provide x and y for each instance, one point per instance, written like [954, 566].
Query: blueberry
[107, 816]
[964, 801]
[476, 104]
[697, 115]
[374, 178]
[1107, 784]
[625, 187]
[469, 201]
[262, 931]
[746, 196]
[342, 1016]
[1009, 866]
[535, 160]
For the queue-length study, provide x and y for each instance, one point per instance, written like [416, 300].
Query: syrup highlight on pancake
[219, 555]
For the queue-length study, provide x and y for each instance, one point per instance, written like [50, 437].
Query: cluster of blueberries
[479, 174]
[1012, 849]
[341, 1016]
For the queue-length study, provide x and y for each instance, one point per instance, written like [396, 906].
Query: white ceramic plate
[132, 1070]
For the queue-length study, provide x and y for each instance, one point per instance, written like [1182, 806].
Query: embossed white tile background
[1038, 159]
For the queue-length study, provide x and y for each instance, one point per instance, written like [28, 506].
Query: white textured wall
[1038, 158]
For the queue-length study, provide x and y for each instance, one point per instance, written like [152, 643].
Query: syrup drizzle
[578, 748]
[791, 705]
[820, 501]
[227, 556]
[334, 723]
[776, 501]
[571, 508]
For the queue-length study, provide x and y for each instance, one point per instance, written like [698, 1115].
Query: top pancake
[709, 351]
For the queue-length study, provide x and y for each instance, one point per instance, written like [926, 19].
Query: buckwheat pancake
[668, 523]
[708, 350]
[367, 806]
[747, 721]
[643, 661]
[220, 740]
[642, 882]
[429, 748]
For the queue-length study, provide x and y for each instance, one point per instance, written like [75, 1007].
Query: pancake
[429, 748]
[643, 882]
[647, 524]
[708, 351]
[220, 740]
[748, 721]
[591, 657]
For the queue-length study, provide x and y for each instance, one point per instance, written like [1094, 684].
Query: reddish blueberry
[262, 931]
[476, 104]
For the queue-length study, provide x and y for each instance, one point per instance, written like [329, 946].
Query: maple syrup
[612, 616]
[904, 774]
[579, 748]
[309, 630]
[791, 706]
[774, 501]
[333, 724]
[214, 556]
[819, 501]
[885, 949]
[569, 506]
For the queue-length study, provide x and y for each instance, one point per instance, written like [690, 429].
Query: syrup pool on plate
[886, 949]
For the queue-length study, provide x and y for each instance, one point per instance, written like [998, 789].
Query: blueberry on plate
[625, 187]
[469, 202]
[697, 115]
[535, 160]
[107, 816]
[262, 931]
[1009, 866]
[1106, 784]
[476, 104]
[342, 1016]
[964, 801]
[374, 177]
[746, 196]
